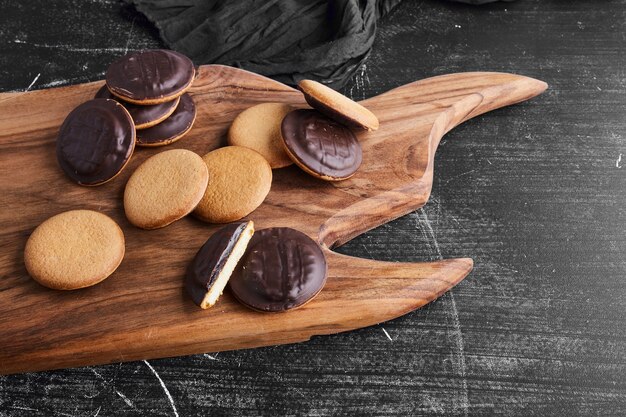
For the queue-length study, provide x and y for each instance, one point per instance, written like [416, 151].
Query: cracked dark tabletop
[534, 193]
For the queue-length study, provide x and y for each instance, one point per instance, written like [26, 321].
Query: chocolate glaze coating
[150, 75]
[95, 141]
[172, 128]
[330, 112]
[141, 115]
[321, 145]
[281, 269]
[210, 259]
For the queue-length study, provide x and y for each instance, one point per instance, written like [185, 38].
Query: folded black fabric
[288, 40]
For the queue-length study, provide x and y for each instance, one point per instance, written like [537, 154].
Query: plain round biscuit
[165, 188]
[258, 128]
[240, 180]
[74, 249]
[337, 106]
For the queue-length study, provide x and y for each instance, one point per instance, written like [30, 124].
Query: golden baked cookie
[258, 128]
[165, 188]
[74, 249]
[240, 179]
[337, 106]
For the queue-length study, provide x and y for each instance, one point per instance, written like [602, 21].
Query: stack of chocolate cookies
[143, 102]
[152, 86]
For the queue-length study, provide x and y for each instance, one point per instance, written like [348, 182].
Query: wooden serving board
[141, 311]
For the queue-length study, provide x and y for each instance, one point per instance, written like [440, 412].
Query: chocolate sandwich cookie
[150, 77]
[214, 263]
[337, 106]
[282, 269]
[95, 141]
[172, 128]
[143, 116]
[321, 146]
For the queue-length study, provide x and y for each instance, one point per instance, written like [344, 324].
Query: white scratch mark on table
[212, 357]
[458, 360]
[70, 48]
[32, 82]
[618, 163]
[387, 334]
[461, 175]
[17, 407]
[97, 412]
[125, 398]
[130, 35]
[167, 392]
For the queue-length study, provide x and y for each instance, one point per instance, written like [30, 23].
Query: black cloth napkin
[288, 40]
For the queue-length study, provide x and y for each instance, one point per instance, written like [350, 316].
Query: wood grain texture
[140, 312]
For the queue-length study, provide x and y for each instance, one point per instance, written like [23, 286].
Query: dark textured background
[535, 193]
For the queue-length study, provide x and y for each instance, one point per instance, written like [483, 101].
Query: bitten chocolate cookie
[95, 141]
[165, 188]
[171, 129]
[150, 77]
[240, 180]
[75, 249]
[321, 146]
[258, 128]
[143, 116]
[337, 106]
[282, 269]
[214, 263]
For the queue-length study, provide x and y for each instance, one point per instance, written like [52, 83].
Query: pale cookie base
[165, 188]
[220, 283]
[258, 128]
[160, 119]
[240, 180]
[337, 106]
[74, 249]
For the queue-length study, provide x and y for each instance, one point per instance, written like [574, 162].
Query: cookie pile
[143, 102]
[273, 270]
[320, 140]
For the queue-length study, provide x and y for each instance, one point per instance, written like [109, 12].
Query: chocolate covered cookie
[214, 263]
[150, 77]
[337, 106]
[282, 269]
[321, 146]
[143, 116]
[171, 129]
[95, 141]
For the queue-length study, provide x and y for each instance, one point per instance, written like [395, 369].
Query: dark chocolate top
[149, 75]
[175, 125]
[95, 141]
[281, 269]
[141, 114]
[210, 259]
[321, 144]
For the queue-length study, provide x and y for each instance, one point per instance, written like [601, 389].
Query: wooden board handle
[397, 173]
